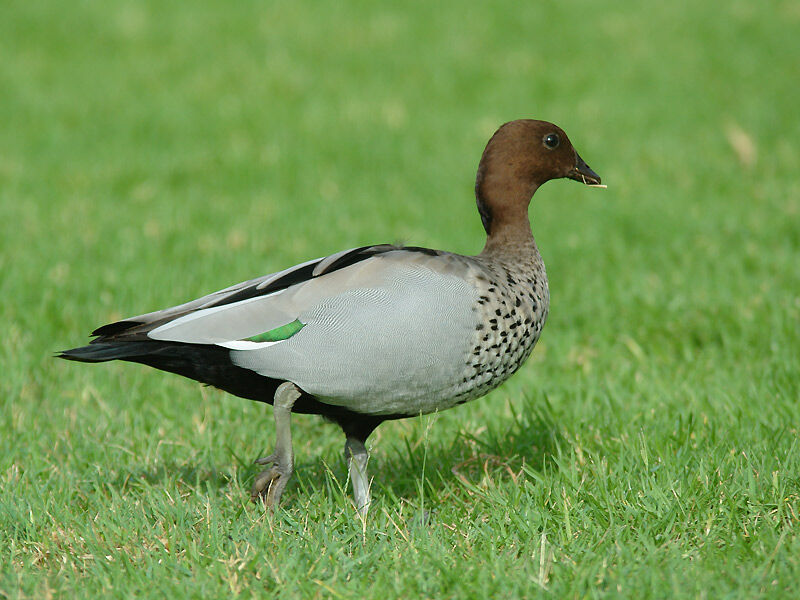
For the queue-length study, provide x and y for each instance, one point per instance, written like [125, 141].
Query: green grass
[151, 152]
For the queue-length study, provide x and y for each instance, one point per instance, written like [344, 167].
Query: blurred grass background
[151, 152]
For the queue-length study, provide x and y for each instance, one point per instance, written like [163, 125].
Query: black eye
[551, 140]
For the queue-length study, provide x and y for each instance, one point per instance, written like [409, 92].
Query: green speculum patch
[284, 332]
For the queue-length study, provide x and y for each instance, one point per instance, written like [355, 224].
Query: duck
[374, 333]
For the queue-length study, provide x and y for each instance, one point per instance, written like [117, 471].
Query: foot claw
[268, 487]
[266, 460]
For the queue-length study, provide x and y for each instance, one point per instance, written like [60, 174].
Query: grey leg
[269, 484]
[356, 454]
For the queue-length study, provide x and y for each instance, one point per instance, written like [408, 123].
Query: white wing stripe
[247, 345]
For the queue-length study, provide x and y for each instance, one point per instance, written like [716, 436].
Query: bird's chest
[512, 308]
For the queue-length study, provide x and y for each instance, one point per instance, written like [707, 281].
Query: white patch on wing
[247, 345]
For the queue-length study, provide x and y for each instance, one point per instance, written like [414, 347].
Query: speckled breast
[512, 309]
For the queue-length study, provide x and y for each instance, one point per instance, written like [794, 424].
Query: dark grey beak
[582, 172]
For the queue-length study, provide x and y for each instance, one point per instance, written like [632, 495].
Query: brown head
[520, 157]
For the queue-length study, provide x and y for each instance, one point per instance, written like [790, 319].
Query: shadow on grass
[194, 476]
[496, 453]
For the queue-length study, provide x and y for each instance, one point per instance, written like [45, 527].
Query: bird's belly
[422, 385]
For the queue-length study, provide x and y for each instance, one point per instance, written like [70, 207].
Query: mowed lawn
[151, 152]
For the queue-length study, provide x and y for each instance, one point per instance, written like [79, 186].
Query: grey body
[400, 333]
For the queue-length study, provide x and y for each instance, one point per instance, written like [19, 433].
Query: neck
[507, 226]
[512, 237]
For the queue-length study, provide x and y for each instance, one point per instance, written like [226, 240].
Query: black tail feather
[206, 363]
[101, 352]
